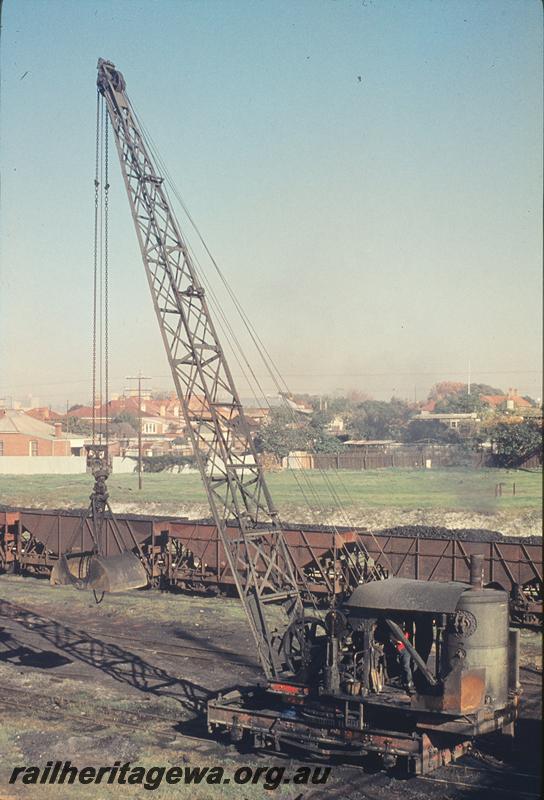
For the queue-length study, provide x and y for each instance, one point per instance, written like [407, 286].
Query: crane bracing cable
[360, 566]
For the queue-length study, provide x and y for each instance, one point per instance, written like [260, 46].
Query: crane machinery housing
[335, 684]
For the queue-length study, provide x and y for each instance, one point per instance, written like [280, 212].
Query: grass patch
[452, 489]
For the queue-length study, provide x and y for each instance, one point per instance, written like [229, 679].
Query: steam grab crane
[331, 682]
[258, 558]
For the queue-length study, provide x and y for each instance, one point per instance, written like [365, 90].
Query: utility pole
[139, 377]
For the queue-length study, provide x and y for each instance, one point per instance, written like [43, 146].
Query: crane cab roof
[407, 594]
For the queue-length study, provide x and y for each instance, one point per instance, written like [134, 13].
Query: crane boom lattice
[258, 557]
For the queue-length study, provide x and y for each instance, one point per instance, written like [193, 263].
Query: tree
[356, 396]
[376, 419]
[459, 404]
[445, 389]
[324, 442]
[453, 397]
[485, 388]
[337, 405]
[432, 430]
[77, 426]
[320, 419]
[283, 432]
[126, 416]
[513, 442]
[280, 435]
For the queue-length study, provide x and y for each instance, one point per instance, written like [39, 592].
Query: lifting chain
[106, 288]
[100, 323]
[95, 260]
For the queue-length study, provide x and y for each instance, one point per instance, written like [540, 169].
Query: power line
[10, 387]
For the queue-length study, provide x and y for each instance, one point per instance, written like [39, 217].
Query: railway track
[464, 781]
[456, 780]
[56, 710]
[198, 653]
[480, 779]
[157, 648]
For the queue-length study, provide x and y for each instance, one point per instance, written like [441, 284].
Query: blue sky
[368, 175]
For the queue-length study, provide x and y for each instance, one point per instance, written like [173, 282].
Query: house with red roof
[506, 402]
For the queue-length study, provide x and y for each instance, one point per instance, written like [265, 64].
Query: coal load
[458, 534]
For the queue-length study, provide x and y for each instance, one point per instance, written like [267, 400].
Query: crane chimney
[477, 571]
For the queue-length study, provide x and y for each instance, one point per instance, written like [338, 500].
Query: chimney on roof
[58, 430]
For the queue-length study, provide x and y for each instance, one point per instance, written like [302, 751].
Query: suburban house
[336, 426]
[506, 402]
[456, 421]
[256, 416]
[24, 435]
[158, 417]
[45, 414]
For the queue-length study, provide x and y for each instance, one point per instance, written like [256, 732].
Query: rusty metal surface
[272, 730]
[117, 573]
[189, 554]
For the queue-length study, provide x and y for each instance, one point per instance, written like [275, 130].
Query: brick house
[506, 402]
[23, 435]
[159, 418]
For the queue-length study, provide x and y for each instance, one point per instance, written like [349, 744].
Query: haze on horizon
[367, 174]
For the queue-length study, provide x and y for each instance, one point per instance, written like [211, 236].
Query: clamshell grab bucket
[70, 571]
[112, 574]
[116, 573]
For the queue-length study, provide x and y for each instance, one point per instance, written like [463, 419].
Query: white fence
[56, 465]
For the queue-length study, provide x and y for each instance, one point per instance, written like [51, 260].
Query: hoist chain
[100, 326]
[95, 260]
[106, 289]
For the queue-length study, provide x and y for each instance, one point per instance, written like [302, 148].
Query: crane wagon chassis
[416, 751]
[187, 554]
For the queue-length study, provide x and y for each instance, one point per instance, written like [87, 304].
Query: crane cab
[354, 698]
